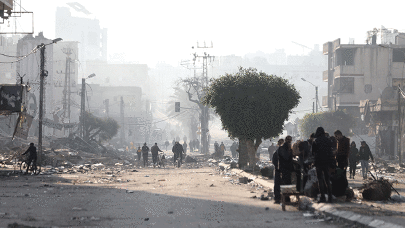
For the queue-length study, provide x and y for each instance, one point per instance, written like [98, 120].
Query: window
[348, 57]
[398, 55]
[344, 85]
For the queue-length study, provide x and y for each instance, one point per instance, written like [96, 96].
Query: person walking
[185, 147]
[222, 149]
[191, 144]
[343, 150]
[178, 152]
[353, 159]
[277, 174]
[155, 152]
[216, 149]
[139, 153]
[364, 156]
[272, 148]
[145, 151]
[285, 159]
[32, 157]
[322, 149]
[233, 150]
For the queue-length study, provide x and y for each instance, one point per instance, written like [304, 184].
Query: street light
[43, 74]
[83, 105]
[316, 93]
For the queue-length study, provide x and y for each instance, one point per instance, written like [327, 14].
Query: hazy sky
[149, 31]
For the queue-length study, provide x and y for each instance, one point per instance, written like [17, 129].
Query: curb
[328, 209]
[363, 220]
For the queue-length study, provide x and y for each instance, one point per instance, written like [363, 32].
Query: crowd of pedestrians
[330, 155]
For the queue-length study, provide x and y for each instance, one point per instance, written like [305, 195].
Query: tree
[105, 128]
[330, 121]
[188, 120]
[252, 106]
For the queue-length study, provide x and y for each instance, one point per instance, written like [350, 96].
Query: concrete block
[365, 220]
[376, 223]
[354, 217]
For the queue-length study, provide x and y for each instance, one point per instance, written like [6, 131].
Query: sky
[151, 31]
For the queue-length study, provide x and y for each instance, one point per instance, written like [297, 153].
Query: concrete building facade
[363, 79]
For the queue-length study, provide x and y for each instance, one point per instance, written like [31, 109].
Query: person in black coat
[277, 175]
[353, 159]
[32, 150]
[285, 159]
[145, 151]
[322, 149]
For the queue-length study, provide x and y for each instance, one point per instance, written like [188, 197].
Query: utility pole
[204, 110]
[83, 108]
[316, 95]
[399, 125]
[67, 87]
[122, 121]
[42, 76]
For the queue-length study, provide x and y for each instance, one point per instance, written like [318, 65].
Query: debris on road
[377, 190]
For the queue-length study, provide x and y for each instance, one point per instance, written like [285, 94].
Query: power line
[159, 120]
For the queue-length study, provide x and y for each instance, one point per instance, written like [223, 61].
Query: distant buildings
[91, 37]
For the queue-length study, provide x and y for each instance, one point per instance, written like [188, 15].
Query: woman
[353, 159]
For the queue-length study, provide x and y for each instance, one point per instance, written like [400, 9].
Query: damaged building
[363, 79]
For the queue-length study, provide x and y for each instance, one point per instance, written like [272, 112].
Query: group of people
[193, 144]
[177, 149]
[219, 150]
[331, 155]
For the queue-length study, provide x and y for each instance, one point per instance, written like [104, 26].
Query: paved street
[171, 197]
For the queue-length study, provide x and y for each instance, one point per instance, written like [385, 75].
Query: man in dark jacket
[324, 160]
[364, 156]
[178, 152]
[285, 160]
[32, 150]
[155, 152]
[272, 148]
[343, 150]
[353, 159]
[277, 175]
[145, 151]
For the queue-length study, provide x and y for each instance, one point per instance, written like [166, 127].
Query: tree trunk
[251, 152]
[243, 154]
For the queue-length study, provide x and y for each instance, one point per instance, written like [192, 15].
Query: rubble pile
[377, 190]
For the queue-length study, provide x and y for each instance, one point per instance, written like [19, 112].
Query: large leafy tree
[330, 121]
[252, 106]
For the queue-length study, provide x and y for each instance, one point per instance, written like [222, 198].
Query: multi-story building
[8, 46]
[91, 37]
[363, 79]
[361, 71]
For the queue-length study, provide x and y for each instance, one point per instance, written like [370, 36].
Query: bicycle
[22, 164]
[178, 161]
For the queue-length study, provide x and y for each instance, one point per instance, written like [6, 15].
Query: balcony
[325, 75]
[347, 70]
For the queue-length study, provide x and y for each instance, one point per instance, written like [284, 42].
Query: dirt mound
[377, 190]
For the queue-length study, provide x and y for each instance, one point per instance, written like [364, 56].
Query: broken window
[398, 55]
[344, 85]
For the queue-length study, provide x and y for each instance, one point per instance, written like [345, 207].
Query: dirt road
[118, 196]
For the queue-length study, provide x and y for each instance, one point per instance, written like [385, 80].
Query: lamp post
[316, 93]
[43, 74]
[83, 105]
